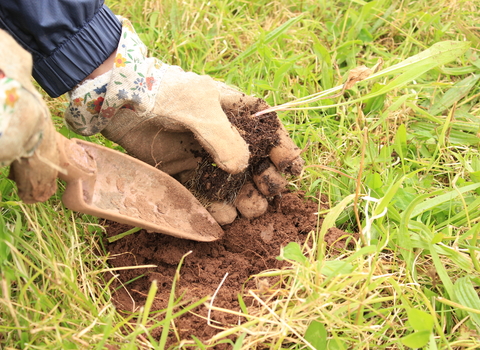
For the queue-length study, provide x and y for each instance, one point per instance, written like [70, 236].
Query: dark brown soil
[248, 247]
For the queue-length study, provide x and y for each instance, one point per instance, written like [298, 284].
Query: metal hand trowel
[114, 186]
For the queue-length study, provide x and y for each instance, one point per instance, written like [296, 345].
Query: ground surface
[248, 247]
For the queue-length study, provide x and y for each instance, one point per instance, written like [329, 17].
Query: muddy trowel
[112, 185]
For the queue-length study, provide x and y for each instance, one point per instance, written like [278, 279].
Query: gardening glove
[165, 117]
[27, 135]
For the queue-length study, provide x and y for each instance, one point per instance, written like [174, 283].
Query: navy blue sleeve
[68, 39]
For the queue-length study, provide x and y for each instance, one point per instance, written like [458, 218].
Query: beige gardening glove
[165, 117]
[27, 136]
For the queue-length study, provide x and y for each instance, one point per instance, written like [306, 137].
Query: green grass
[402, 167]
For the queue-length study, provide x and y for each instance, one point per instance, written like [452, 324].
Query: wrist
[103, 68]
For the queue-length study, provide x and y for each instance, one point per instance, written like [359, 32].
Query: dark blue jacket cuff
[76, 58]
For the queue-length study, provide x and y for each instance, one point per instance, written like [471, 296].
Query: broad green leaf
[475, 164]
[437, 200]
[374, 181]
[401, 141]
[459, 70]
[336, 343]
[282, 70]
[438, 54]
[365, 35]
[335, 267]
[375, 103]
[458, 258]
[264, 85]
[432, 345]
[385, 155]
[420, 320]
[364, 15]
[467, 296]
[475, 176]
[458, 137]
[390, 194]
[316, 335]
[413, 67]
[292, 251]
[405, 196]
[330, 219]
[403, 235]
[416, 340]
[454, 94]
[438, 238]
[67, 345]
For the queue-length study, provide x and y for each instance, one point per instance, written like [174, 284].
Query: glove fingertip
[250, 203]
[270, 182]
[229, 153]
[223, 213]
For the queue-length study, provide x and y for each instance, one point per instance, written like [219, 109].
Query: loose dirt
[248, 248]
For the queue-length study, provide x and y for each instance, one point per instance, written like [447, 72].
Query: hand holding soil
[272, 152]
[223, 173]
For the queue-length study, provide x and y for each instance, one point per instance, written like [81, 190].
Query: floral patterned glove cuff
[20, 129]
[132, 83]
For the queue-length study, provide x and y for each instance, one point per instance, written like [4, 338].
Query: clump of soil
[211, 183]
[247, 248]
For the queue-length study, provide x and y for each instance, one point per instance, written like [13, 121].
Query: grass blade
[407, 70]
[467, 296]
[171, 304]
[329, 222]
[428, 204]
[274, 34]
[442, 272]
[148, 303]
[454, 94]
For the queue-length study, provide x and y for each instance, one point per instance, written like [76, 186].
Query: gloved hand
[27, 135]
[165, 116]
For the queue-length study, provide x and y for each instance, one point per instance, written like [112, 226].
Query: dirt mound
[248, 247]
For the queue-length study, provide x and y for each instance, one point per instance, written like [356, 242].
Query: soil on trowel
[211, 183]
[247, 248]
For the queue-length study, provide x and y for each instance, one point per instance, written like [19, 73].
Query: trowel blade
[109, 184]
